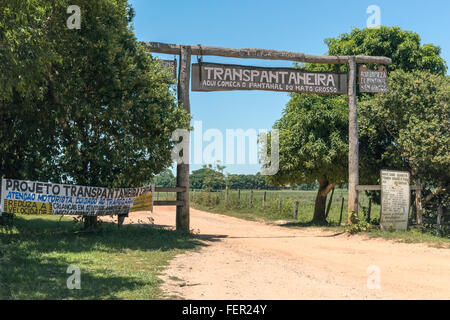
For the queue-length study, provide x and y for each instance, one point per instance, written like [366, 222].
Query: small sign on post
[172, 65]
[395, 198]
[372, 80]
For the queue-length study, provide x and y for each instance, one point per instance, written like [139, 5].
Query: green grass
[115, 263]
[215, 202]
[413, 235]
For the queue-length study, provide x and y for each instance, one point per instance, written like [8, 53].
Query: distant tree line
[212, 179]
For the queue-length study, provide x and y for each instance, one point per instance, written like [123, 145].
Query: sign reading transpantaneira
[220, 77]
[373, 80]
[31, 197]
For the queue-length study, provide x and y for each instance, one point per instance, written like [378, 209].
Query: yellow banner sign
[27, 207]
[143, 203]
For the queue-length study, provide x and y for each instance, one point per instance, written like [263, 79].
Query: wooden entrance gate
[185, 52]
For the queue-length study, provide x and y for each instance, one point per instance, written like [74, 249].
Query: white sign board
[372, 80]
[395, 198]
[32, 197]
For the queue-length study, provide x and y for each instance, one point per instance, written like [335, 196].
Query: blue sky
[299, 26]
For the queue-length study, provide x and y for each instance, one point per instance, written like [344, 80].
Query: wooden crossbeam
[168, 203]
[267, 54]
[170, 189]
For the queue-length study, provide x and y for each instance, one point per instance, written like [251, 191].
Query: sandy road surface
[251, 260]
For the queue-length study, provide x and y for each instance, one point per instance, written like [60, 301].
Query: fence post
[370, 208]
[226, 194]
[295, 210]
[438, 220]
[342, 208]
[419, 205]
[239, 196]
[264, 200]
[279, 202]
[251, 198]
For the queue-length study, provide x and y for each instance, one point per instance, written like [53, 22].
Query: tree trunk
[329, 203]
[321, 200]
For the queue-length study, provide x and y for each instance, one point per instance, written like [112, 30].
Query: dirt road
[251, 260]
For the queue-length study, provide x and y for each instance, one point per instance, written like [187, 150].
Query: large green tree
[379, 143]
[27, 139]
[88, 106]
[408, 127]
[318, 149]
[402, 46]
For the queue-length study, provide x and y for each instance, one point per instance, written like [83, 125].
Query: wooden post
[182, 218]
[419, 205]
[279, 202]
[438, 220]
[251, 198]
[295, 210]
[120, 220]
[370, 209]
[264, 200]
[226, 194]
[239, 196]
[353, 152]
[90, 222]
[342, 208]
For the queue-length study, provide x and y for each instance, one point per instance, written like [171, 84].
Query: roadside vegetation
[115, 263]
[369, 226]
[271, 209]
[272, 212]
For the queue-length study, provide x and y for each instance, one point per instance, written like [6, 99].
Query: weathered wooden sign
[395, 198]
[172, 65]
[372, 80]
[222, 77]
